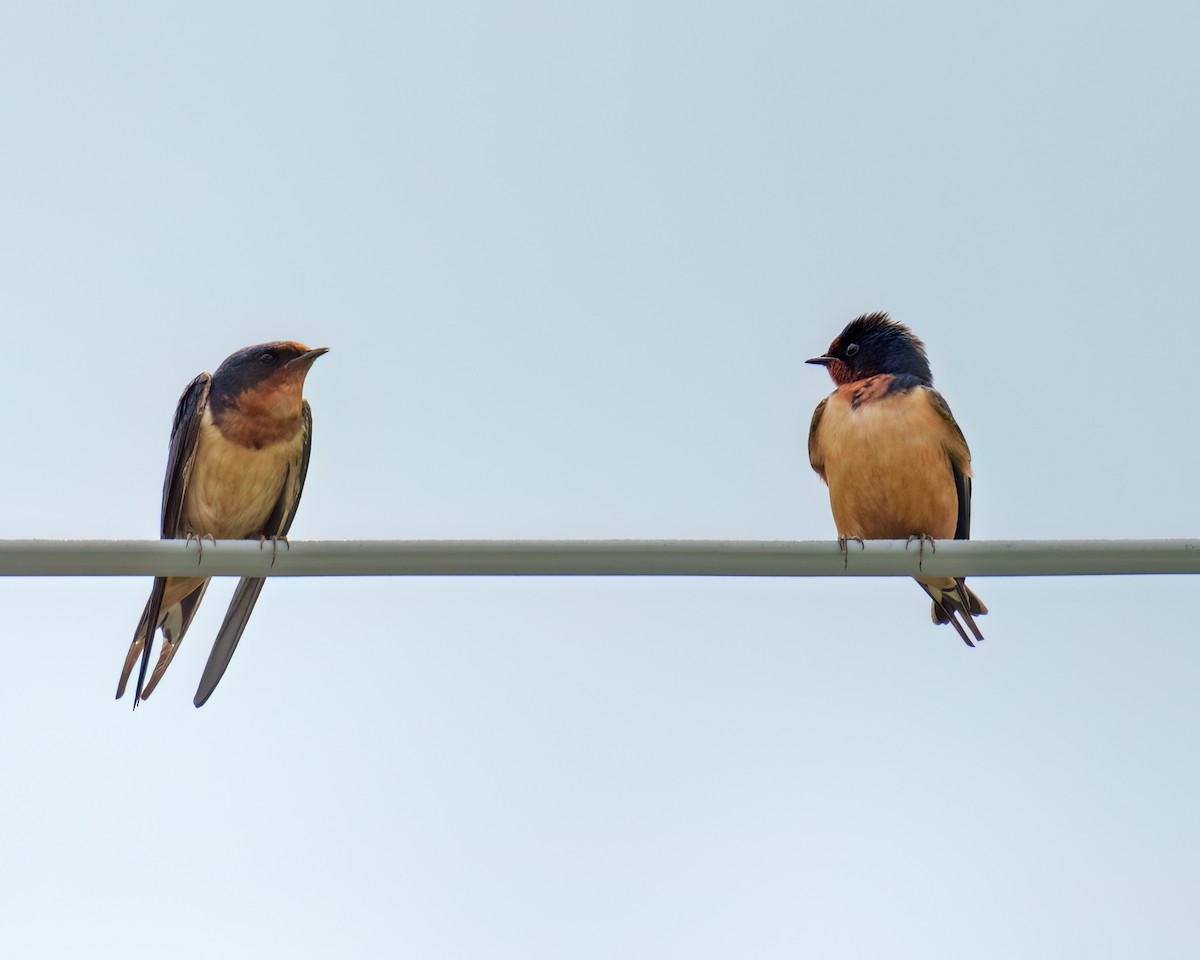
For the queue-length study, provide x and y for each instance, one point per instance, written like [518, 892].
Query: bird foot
[200, 538]
[922, 539]
[274, 545]
[844, 546]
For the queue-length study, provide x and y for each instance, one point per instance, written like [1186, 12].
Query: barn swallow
[896, 463]
[235, 471]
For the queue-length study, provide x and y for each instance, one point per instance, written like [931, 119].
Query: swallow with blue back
[896, 463]
[236, 465]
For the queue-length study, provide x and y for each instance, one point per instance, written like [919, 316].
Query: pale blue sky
[569, 260]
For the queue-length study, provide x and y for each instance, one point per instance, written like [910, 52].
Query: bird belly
[232, 488]
[888, 471]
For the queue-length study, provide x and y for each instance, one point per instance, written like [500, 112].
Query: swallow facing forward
[896, 463]
[235, 470]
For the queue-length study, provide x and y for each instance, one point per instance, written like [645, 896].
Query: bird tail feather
[952, 600]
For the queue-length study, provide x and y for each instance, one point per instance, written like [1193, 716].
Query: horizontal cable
[664, 558]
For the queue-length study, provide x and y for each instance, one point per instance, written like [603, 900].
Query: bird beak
[823, 361]
[306, 359]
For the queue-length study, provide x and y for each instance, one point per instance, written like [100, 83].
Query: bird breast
[887, 466]
[233, 488]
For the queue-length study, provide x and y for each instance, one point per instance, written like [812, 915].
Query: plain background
[569, 259]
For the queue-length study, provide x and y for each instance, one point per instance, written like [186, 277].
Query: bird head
[266, 376]
[873, 344]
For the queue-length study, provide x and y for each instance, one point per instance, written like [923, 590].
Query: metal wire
[552, 558]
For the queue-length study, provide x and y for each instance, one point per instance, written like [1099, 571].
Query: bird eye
[852, 350]
[266, 359]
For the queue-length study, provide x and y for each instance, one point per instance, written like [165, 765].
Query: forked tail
[952, 600]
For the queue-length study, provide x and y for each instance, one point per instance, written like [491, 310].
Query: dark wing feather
[240, 608]
[962, 483]
[246, 595]
[280, 521]
[184, 432]
[185, 429]
[817, 462]
[960, 463]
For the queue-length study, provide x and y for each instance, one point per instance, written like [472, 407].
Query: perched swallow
[896, 463]
[235, 470]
